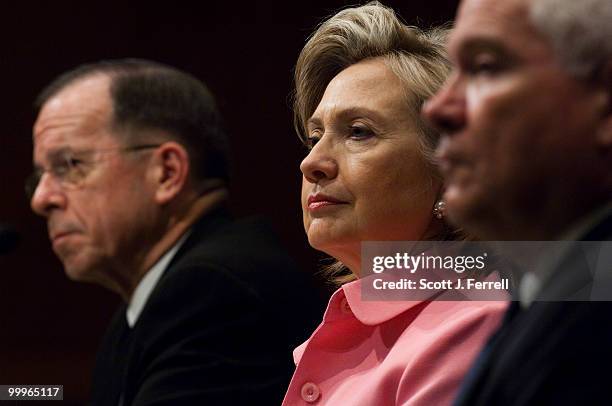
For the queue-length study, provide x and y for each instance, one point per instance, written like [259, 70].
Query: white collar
[149, 281]
[531, 283]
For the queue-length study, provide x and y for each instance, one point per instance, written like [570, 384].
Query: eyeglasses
[69, 168]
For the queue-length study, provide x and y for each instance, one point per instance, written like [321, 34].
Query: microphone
[9, 238]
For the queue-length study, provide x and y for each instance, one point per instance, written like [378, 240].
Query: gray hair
[148, 95]
[580, 32]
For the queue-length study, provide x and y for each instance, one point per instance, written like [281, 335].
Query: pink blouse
[390, 353]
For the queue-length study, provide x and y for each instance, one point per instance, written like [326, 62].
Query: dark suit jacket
[553, 353]
[219, 327]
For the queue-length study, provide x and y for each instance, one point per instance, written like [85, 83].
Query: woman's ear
[170, 171]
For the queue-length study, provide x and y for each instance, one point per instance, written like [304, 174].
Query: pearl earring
[439, 209]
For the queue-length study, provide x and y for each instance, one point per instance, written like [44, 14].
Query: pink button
[310, 392]
[345, 307]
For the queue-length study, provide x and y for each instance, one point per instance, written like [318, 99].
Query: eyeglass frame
[60, 171]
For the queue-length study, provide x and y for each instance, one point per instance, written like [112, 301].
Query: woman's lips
[319, 201]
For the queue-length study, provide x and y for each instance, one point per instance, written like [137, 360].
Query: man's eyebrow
[476, 44]
[52, 155]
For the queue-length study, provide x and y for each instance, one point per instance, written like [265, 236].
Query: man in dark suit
[131, 175]
[527, 154]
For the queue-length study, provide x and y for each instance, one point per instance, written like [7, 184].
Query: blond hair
[418, 58]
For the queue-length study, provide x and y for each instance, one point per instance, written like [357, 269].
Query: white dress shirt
[149, 281]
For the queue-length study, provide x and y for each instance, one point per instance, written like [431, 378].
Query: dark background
[50, 326]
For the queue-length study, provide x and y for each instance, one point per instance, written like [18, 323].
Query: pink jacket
[390, 353]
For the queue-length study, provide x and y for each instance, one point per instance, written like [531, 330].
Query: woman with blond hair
[369, 175]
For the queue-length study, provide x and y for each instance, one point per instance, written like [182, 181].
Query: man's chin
[465, 208]
[456, 203]
[78, 270]
[77, 274]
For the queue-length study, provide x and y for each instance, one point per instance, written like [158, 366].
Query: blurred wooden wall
[50, 327]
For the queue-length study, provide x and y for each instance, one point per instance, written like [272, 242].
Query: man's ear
[170, 171]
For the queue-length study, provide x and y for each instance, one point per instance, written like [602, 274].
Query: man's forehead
[505, 7]
[492, 19]
[89, 89]
[84, 102]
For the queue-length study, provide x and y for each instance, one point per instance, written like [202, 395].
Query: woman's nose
[320, 163]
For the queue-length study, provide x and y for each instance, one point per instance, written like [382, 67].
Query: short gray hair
[148, 95]
[580, 32]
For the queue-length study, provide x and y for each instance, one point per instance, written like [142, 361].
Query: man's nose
[48, 195]
[446, 110]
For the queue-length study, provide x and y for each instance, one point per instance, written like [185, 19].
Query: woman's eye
[360, 132]
[312, 140]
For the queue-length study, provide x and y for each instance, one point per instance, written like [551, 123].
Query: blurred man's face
[91, 192]
[518, 130]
